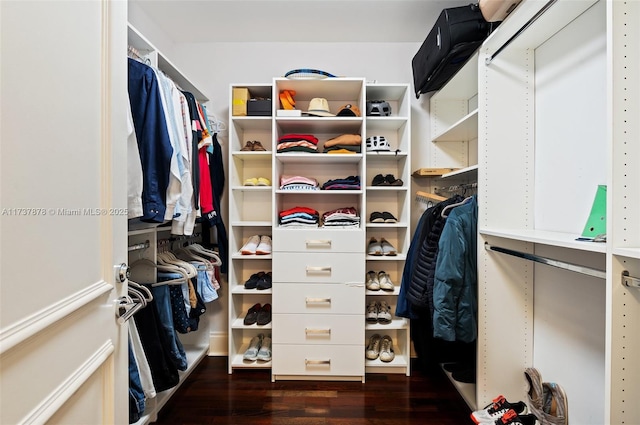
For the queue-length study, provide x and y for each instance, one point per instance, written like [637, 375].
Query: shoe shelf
[250, 213]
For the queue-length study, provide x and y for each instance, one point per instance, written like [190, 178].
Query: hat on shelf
[319, 106]
[349, 110]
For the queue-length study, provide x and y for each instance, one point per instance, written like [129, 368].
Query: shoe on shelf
[375, 248]
[385, 281]
[248, 146]
[379, 180]
[496, 409]
[386, 349]
[391, 180]
[263, 181]
[257, 146]
[387, 217]
[372, 312]
[264, 247]
[251, 181]
[252, 282]
[252, 314]
[534, 393]
[264, 315]
[373, 284]
[387, 248]
[251, 353]
[264, 282]
[249, 248]
[512, 418]
[384, 313]
[376, 217]
[264, 354]
[373, 348]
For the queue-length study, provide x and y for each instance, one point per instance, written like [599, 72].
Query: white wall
[214, 66]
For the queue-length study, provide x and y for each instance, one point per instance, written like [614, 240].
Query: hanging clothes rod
[548, 261]
[522, 29]
[630, 281]
[457, 187]
[139, 246]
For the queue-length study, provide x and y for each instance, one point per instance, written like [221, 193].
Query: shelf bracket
[548, 261]
[630, 281]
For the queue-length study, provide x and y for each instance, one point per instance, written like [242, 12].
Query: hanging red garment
[206, 190]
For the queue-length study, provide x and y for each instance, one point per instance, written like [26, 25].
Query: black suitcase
[456, 35]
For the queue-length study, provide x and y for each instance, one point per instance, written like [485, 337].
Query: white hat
[320, 107]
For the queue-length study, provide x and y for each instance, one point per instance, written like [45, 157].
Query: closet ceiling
[187, 21]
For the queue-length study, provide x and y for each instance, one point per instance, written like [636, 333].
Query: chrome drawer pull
[316, 242]
[319, 269]
[312, 362]
[317, 300]
[317, 331]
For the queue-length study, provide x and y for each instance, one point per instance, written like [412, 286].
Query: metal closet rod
[143, 245]
[522, 29]
[548, 261]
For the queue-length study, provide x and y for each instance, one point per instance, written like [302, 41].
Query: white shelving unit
[196, 344]
[396, 200]
[250, 213]
[559, 117]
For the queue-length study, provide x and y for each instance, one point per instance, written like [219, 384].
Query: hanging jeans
[136, 394]
[162, 298]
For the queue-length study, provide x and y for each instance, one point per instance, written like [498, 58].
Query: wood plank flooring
[211, 396]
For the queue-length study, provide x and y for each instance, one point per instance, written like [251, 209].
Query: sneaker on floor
[250, 247]
[387, 248]
[386, 349]
[384, 313]
[264, 354]
[373, 348]
[498, 407]
[385, 282]
[375, 248]
[373, 284]
[264, 247]
[251, 353]
[372, 312]
[512, 418]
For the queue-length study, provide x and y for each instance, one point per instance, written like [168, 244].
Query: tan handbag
[497, 10]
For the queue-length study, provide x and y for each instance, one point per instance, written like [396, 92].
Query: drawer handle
[319, 269]
[317, 331]
[316, 362]
[317, 300]
[319, 242]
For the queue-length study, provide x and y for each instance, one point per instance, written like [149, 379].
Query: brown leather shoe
[257, 146]
[248, 146]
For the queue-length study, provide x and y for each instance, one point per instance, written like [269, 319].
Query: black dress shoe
[264, 282]
[252, 282]
[264, 315]
[252, 314]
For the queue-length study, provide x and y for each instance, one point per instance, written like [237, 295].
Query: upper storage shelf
[157, 60]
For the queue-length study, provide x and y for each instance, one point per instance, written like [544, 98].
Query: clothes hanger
[448, 207]
[147, 295]
[189, 255]
[166, 268]
[169, 259]
[204, 251]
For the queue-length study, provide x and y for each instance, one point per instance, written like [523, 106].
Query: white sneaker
[385, 282]
[264, 247]
[386, 349]
[384, 312]
[249, 248]
[387, 248]
[373, 349]
[372, 312]
[374, 247]
[372, 281]
[264, 354]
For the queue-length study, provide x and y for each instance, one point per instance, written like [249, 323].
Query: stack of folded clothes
[345, 143]
[347, 183]
[299, 217]
[294, 142]
[298, 183]
[341, 217]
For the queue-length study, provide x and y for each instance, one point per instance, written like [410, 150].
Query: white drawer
[319, 267]
[318, 298]
[318, 240]
[318, 360]
[317, 329]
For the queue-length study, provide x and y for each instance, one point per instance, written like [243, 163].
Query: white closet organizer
[250, 213]
[396, 200]
[144, 237]
[559, 100]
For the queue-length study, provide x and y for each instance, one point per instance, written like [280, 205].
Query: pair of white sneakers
[259, 245]
[259, 348]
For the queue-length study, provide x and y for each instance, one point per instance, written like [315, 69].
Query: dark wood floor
[211, 396]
